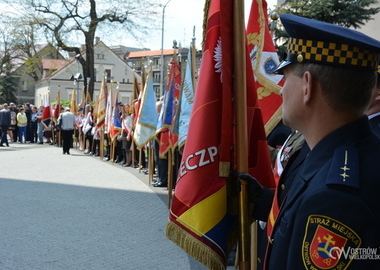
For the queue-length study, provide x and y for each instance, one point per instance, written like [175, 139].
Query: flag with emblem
[136, 97]
[115, 122]
[147, 117]
[264, 60]
[101, 104]
[202, 217]
[168, 139]
[109, 112]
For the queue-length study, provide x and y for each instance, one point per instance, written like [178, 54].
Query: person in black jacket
[5, 122]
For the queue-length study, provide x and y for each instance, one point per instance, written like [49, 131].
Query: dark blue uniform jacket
[331, 216]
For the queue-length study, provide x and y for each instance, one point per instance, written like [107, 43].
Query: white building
[118, 72]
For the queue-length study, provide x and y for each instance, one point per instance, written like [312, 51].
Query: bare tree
[80, 19]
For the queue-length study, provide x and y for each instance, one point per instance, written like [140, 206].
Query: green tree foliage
[347, 13]
[7, 89]
[75, 22]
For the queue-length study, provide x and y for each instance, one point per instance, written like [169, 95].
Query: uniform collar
[345, 135]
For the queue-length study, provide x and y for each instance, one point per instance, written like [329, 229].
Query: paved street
[76, 212]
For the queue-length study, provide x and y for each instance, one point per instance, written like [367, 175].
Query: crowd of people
[22, 124]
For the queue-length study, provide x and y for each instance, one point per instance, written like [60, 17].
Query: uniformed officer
[330, 217]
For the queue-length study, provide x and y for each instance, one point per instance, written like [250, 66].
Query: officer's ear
[308, 87]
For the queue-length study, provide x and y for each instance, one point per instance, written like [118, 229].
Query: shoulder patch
[325, 242]
[344, 169]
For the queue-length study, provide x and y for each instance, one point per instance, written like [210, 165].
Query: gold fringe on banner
[194, 247]
[273, 121]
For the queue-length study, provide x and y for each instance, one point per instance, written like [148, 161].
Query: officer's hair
[345, 88]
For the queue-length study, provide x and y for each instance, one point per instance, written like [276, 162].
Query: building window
[108, 74]
[156, 77]
[157, 91]
[100, 56]
[24, 86]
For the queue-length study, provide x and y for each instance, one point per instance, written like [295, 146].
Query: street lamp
[162, 49]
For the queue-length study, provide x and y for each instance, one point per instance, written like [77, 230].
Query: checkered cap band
[332, 53]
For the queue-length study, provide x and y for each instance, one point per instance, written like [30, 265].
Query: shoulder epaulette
[344, 168]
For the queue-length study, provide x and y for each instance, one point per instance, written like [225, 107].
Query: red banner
[201, 219]
[264, 60]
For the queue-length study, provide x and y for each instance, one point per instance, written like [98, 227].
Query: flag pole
[140, 158]
[240, 88]
[193, 60]
[170, 176]
[151, 162]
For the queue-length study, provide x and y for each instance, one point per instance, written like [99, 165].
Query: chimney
[97, 39]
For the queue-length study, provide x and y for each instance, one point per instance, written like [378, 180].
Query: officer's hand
[255, 189]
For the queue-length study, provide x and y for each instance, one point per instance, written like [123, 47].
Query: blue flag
[187, 99]
[147, 117]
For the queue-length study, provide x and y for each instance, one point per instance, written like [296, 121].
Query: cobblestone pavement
[77, 212]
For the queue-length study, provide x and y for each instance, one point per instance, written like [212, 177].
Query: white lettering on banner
[198, 159]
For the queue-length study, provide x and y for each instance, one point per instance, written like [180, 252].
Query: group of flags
[203, 214]
[201, 120]
[106, 109]
[171, 122]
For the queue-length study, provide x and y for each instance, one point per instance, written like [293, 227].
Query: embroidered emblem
[325, 242]
[270, 66]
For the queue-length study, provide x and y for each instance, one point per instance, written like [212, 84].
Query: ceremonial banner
[168, 139]
[73, 103]
[109, 112]
[199, 221]
[46, 114]
[136, 97]
[57, 110]
[88, 98]
[146, 122]
[82, 100]
[203, 214]
[115, 123]
[186, 103]
[101, 104]
[264, 60]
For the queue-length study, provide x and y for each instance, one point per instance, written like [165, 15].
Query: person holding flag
[40, 126]
[330, 75]
[126, 123]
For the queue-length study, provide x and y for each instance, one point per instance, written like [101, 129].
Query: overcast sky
[180, 18]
